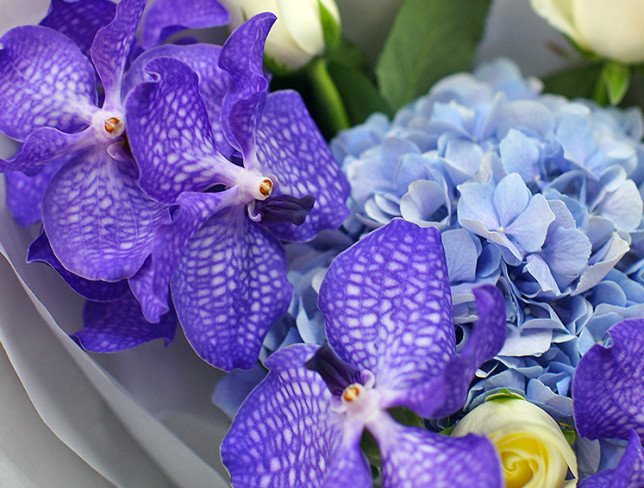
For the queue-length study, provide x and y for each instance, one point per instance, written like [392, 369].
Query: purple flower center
[337, 374]
[284, 208]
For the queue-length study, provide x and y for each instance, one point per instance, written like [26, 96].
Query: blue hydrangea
[535, 193]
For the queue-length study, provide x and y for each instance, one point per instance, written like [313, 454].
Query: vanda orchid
[387, 308]
[98, 221]
[222, 255]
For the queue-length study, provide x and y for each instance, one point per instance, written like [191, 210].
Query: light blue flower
[506, 214]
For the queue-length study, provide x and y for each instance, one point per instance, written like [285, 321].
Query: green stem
[328, 97]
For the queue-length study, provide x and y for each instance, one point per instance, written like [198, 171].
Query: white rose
[533, 451]
[297, 36]
[610, 28]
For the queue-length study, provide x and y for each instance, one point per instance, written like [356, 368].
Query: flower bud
[297, 36]
[610, 28]
[532, 449]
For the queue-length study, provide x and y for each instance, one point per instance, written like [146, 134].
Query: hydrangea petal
[243, 58]
[165, 17]
[446, 392]
[229, 287]
[45, 80]
[99, 223]
[284, 438]
[608, 386]
[44, 145]
[203, 59]
[151, 284]
[629, 471]
[79, 19]
[511, 197]
[290, 146]
[387, 304]
[173, 145]
[111, 48]
[118, 325]
[623, 207]
[417, 457]
[25, 192]
[530, 228]
[98, 291]
[476, 208]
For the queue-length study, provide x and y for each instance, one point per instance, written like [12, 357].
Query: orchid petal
[79, 20]
[213, 81]
[608, 386]
[118, 325]
[45, 144]
[279, 438]
[25, 193]
[97, 291]
[150, 285]
[99, 223]
[290, 146]
[111, 48]
[229, 287]
[446, 390]
[629, 471]
[387, 304]
[44, 81]
[242, 57]
[166, 17]
[417, 457]
[170, 133]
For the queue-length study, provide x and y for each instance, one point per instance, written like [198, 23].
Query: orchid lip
[337, 374]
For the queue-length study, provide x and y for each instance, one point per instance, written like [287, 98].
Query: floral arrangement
[414, 275]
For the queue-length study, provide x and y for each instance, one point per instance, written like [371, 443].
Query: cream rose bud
[532, 449]
[610, 28]
[297, 36]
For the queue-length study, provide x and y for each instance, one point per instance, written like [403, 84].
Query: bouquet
[413, 273]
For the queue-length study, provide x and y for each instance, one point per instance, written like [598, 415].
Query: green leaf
[576, 82]
[406, 417]
[503, 395]
[616, 78]
[369, 446]
[359, 94]
[330, 27]
[430, 39]
[569, 433]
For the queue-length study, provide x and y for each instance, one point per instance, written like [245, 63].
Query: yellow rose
[297, 36]
[533, 451]
[610, 28]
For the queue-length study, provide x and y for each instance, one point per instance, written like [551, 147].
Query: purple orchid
[608, 400]
[98, 221]
[272, 178]
[387, 309]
